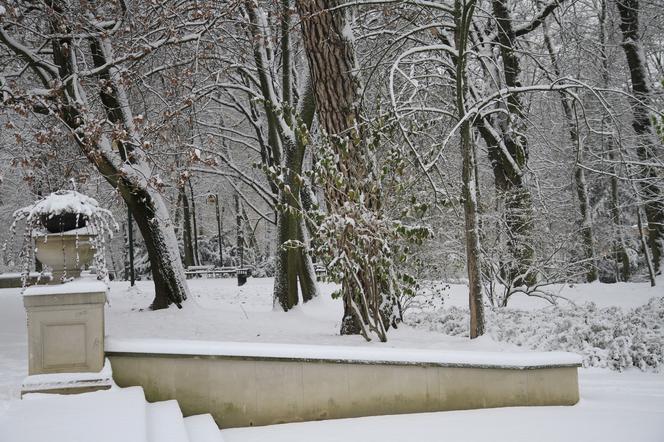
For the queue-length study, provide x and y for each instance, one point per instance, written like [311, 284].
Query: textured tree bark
[647, 144]
[328, 44]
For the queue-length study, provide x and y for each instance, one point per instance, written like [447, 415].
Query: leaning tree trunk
[646, 139]
[337, 89]
[118, 160]
[146, 204]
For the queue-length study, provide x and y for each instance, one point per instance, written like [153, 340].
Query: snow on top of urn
[63, 201]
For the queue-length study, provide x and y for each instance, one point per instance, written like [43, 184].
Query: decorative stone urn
[68, 230]
[66, 253]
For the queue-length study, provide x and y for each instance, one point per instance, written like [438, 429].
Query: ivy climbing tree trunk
[352, 190]
[293, 262]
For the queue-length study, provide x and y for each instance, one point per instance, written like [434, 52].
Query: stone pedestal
[66, 327]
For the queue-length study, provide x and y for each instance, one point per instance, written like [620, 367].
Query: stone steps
[165, 422]
[118, 414]
[202, 428]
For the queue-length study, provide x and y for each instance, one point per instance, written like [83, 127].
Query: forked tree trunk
[647, 144]
[292, 264]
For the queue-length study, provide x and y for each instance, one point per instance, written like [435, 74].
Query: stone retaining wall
[244, 390]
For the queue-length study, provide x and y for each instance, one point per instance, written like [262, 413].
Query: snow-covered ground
[613, 406]
[219, 310]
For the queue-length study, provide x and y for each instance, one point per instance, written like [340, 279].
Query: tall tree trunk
[508, 154]
[194, 225]
[337, 89]
[579, 173]
[646, 139]
[623, 268]
[463, 14]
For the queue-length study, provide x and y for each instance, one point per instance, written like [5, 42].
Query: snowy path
[616, 407]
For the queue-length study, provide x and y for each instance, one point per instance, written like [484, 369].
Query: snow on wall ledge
[358, 355]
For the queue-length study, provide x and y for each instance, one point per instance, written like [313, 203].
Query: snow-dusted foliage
[610, 337]
[360, 245]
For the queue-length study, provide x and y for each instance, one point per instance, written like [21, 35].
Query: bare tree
[83, 83]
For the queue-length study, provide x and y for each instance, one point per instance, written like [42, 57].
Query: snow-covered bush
[359, 241]
[264, 268]
[608, 337]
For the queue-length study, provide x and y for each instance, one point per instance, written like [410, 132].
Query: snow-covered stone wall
[258, 384]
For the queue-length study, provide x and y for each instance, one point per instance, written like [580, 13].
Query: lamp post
[213, 198]
[130, 238]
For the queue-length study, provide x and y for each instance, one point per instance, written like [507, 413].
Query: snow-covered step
[165, 422]
[202, 428]
[101, 416]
